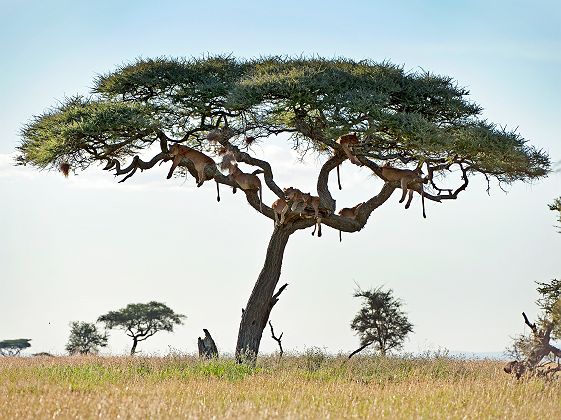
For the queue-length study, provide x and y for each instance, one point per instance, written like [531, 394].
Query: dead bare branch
[277, 339]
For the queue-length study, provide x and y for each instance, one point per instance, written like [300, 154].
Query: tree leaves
[81, 130]
[142, 319]
[85, 338]
[380, 320]
[420, 116]
[13, 347]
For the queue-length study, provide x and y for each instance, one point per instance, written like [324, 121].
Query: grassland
[307, 386]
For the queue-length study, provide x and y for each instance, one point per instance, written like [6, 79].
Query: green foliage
[142, 320]
[549, 295]
[13, 347]
[380, 320]
[80, 130]
[224, 369]
[550, 303]
[556, 319]
[418, 116]
[85, 338]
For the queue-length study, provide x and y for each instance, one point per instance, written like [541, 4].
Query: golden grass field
[305, 386]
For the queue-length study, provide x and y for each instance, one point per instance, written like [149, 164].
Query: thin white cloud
[289, 169]
[93, 178]
[9, 170]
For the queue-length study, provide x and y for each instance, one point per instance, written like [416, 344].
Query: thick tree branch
[223, 137]
[346, 224]
[146, 336]
[326, 199]
[555, 350]
[360, 349]
[136, 163]
[529, 324]
[212, 172]
[275, 297]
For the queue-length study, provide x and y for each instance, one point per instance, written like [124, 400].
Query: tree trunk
[134, 343]
[207, 346]
[256, 313]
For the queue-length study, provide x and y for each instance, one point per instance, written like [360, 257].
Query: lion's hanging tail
[256, 172]
[64, 167]
[339, 177]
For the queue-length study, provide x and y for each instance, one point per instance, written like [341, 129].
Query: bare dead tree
[277, 339]
[540, 347]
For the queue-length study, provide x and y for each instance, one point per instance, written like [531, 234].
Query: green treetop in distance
[141, 321]
[14, 347]
[85, 338]
[380, 321]
[405, 119]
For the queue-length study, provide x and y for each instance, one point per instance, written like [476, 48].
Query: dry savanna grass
[305, 386]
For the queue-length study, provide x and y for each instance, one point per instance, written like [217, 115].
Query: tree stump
[207, 346]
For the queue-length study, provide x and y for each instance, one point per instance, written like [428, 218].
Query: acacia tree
[85, 338]
[14, 347]
[380, 321]
[401, 118]
[142, 320]
[529, 350]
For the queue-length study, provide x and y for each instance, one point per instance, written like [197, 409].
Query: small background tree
[142, 320]
[380, 321]
[529, 350]
[14, 347]
[85, 338]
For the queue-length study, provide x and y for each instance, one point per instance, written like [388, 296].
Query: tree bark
[256, 313]
[207, 346]
[134, 343]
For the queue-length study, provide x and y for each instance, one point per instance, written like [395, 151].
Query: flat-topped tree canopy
[412, 117]
[14, 347]
[405, 119]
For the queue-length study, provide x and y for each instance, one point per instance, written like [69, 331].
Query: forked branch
[529, 324]
[223, 137]
[136, 163]
[277, 339]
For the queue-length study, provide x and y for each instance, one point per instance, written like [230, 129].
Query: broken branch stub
[207, 346]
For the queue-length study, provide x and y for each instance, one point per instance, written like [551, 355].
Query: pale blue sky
[73, 249]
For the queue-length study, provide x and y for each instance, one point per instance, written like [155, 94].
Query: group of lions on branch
[294, 200]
